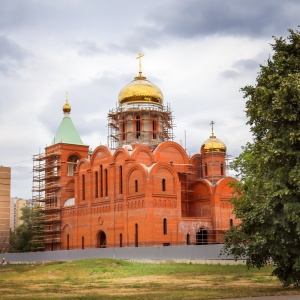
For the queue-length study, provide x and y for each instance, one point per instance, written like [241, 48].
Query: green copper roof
[67, 133]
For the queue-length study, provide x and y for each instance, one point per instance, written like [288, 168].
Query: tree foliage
[269, 167]
[22, 239]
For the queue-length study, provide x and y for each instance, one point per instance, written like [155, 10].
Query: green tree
[268, 201]
[22, 239]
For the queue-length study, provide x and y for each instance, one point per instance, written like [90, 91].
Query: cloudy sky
[198, 52]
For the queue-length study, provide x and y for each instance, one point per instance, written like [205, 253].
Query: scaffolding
[118, 129]
[195, 206]
[187, 193]
[45, 197]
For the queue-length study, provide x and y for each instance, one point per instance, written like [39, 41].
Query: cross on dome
[212, 123]
[139, 57]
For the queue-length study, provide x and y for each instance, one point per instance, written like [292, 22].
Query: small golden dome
[66, 108]
[213, 145]
[140, 90]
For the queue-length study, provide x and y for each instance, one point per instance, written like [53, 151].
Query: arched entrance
[101, 239]
[201, 236]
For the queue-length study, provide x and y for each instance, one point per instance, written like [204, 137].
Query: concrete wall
[204, 253]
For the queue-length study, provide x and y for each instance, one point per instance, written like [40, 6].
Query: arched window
[96, 184]
[165, 226]
[136, 186]
[163, 185]
[106, 182]
[231, 222]
[138, 126]
[83, 187]
[72, 164]
[136, 236]
[101, 181]
[120, 180]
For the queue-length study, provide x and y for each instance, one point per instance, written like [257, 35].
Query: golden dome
[213, 145]
[66, 108]
[140, 90]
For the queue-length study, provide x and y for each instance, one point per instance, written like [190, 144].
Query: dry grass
[116, 279]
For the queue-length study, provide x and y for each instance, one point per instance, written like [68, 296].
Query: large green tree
[23, 238]
[268, 195]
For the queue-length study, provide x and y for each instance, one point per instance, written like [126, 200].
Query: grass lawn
[118, 279]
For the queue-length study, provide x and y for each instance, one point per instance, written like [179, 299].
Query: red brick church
[143, 189]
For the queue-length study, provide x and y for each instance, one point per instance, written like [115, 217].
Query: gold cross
[139, 57]
[212, 127]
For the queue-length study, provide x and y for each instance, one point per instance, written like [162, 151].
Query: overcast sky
[198, 52]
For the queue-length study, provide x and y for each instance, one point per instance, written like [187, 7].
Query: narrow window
[188, 239]
[101, 181]
[123, 130]
[121, 240]
[222, 169]
[231, 222]
[136, 186]
[165, 226]
[120, 180]
[83, 187]
[106, 183]
[138, 126]
[68, 242]
[82, 242]
[206, 170]
[96, 184]
[163, 185]
[136, 235]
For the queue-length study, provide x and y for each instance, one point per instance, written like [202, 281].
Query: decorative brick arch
[223, 194]
[171, 152]
[120, 155]
[100, 155]
[139, 173]
[83, 164]
[143, 154]
[201, 207]
[160, 172]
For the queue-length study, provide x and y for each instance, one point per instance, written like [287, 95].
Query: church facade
[142, 189]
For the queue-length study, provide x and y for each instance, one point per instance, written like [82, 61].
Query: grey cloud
[71, 18]
[143, 37]
[239, 66]
[229, 74]
[202, 18]
[246, 64]
[89, 48]
[98, 95]
[253, 18]
[11, 55]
